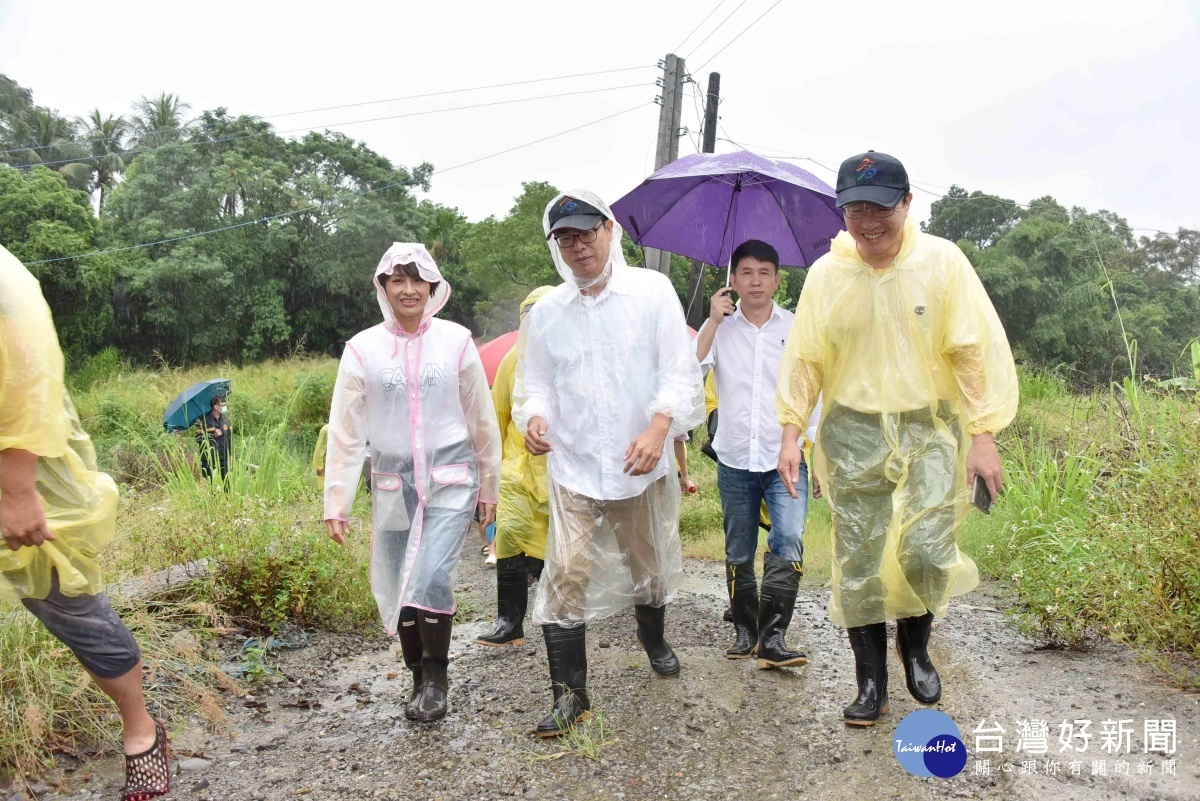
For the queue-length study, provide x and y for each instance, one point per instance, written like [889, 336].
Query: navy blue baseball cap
[872, 177]
[570, 212]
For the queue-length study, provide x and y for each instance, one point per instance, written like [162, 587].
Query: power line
[336, 200]
[714, 30]
[739, 36]
[90, 140]
[975, 196]
[272, 132]
[690, 35]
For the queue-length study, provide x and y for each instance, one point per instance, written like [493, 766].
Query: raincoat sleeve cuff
[797, 394]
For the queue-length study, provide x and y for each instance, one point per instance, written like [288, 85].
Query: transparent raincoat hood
[422, 401]
[36, 415]
[411, 253]
[913, 361]
[598, 361]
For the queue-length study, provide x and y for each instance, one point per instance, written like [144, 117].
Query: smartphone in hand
[981, 496]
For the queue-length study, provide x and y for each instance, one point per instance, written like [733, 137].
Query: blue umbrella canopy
[191, 404]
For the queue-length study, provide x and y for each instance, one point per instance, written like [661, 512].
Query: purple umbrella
[704, 205]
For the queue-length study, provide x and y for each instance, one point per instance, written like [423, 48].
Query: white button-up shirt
[598, 369]
[747, 360]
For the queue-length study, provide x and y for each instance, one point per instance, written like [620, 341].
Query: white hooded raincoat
[598, 369]
[423, 402]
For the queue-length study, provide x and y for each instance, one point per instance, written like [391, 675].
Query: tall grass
[269, 561]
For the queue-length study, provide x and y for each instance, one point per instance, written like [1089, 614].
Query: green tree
[43, 218]
[975, 217]
[304, 224]
[104, 138]
[158, 121]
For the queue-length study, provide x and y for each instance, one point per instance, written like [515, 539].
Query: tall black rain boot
[410, 647]
[651, 633]
[743, 600]
[912, 641]
[870, 667]
[512, 599]
[566, 649]
[432, 703]
[777, 601]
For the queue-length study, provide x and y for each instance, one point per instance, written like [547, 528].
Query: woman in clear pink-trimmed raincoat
[415, 387]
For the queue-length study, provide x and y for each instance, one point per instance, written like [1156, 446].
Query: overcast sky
[1096, 103]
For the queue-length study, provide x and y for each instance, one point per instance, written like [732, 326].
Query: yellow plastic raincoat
[318, 457]
[37, 415]
[523, 513]
[913, 362]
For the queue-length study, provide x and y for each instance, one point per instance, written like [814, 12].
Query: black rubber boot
[512, 598]
[410, 646]
[743, 600]
[912, 641]
[870, 666]
[781, 583]
[433, 703]
[566, 649]
[651, 633]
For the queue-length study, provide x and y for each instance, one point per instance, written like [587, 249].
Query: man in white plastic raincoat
[897, 330]
[607, 380]
[523, 514]
[415, 384]
[57, 513]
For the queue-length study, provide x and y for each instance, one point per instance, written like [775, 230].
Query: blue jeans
[742, 492]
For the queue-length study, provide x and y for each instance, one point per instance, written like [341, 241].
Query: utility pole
[667, 151]
[696, 310]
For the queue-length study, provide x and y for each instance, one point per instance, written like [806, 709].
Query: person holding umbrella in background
[897, 331]
[215, 438]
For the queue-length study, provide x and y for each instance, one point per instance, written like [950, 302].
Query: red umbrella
[491, 353]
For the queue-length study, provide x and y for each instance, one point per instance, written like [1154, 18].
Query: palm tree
[104, 139]
[158, 121]
[42, 137]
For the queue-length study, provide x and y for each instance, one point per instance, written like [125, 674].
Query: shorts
[90, 627]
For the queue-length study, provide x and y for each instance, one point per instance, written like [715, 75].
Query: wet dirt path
[723, 729]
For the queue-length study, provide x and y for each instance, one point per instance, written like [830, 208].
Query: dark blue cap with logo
[872, 177]
[570, 212]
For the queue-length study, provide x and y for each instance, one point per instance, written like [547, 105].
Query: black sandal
[148, 774]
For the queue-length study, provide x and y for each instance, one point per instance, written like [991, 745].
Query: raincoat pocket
[388, 506]
[450, 474]
[451, 486]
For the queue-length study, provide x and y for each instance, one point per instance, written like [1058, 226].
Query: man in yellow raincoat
[896, 329]
[57, 513]
[523, 514]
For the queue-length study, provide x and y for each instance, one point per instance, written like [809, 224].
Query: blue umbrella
[193, 403]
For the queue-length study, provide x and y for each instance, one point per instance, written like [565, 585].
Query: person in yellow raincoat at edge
[896, 329]
[57, 513]
[523, 513]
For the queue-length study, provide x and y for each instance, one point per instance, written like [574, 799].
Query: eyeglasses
[858, 211]
[586, 237]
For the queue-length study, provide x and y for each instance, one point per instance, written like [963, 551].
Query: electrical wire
[336, 200]
[739, 36]
[273, 132]
[714, 30]
[354, 105]
[690, 35]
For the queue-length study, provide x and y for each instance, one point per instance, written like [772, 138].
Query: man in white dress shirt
[608, 379]
[744, 345]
